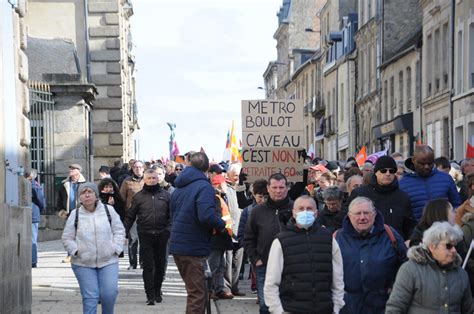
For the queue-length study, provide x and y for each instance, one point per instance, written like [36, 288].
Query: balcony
[318, 107]
[330, 127]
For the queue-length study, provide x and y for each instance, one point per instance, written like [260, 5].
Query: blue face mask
[305, 219]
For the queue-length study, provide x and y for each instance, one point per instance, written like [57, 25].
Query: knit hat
[88, 185]
[384, 162]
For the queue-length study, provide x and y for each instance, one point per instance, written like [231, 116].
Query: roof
[51, 56]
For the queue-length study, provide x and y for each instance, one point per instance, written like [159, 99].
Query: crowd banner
[273, 138]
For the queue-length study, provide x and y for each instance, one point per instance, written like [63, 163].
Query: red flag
[361, 156]
[469, 151]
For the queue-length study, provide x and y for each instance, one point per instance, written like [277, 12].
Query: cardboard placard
[272, 136]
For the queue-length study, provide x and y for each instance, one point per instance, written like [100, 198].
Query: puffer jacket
[423, 287]
[193, 214]
[151, 209]
[420, 190]
[393, 203]
[370, 266]
[97, 242]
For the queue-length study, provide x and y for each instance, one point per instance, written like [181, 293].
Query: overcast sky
[196, 60]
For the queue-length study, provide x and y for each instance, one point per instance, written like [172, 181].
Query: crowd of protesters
[387, 236]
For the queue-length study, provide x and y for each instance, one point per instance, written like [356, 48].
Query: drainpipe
[88, 74]
[451, 92]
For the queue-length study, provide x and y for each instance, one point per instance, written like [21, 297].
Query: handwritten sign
[272, 136]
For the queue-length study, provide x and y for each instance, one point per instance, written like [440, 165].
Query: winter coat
[38, 202]
[423, 287]
[331, 220]
[265, 222]
[130, 186]
[96, 242]
[243, 222]
[420, 190]
[393, 203]
[64, 193]
[370, 264]
[151, 209]
[193, 214]
[467, 226]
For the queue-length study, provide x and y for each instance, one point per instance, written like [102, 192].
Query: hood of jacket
[420, 255]
[468, 216]
[189, 175]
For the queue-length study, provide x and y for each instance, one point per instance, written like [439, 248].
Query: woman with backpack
[94, 238]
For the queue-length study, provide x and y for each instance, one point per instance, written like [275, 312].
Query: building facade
[15, 197]
[463, 94]
[100, 32]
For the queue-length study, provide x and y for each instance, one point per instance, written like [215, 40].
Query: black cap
[385, 162]
[216, 169]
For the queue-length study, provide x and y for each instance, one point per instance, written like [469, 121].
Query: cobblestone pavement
[55, 289]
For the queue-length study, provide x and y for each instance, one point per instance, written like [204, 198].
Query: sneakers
[67, 259]
[150, 301]
[158, 298]
[254, 291]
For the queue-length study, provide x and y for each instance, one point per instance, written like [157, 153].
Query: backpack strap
[76, 218]
[391, 236]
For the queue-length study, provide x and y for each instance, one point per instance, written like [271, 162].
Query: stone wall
[50, 228]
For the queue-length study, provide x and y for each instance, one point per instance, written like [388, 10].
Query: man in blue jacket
[193, 220]
[38, 203]
[426, 182]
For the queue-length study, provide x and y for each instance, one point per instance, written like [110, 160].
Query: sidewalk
[55, 289]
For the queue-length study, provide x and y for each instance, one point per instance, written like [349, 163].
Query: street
[55, 289]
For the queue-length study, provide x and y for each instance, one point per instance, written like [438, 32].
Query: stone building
[384, 27]
[463, 96]
[339, 24]
[297, 32]
[101, 36]
[400, 112]
[436, 75]
[15, 198]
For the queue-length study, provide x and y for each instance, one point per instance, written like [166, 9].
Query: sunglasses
[179, 169]
[392, 171]
[450, 246]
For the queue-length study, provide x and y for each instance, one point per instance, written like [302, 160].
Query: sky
[196, 61]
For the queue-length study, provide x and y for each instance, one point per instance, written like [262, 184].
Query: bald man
[426, 182]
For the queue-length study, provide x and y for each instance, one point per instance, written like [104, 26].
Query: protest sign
[272, 138]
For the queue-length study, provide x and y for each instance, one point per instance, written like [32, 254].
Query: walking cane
[208, 276]
[467, 255]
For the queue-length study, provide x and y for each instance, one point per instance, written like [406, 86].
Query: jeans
[217, 264]
[233, 264]
[97, 284]
[260, 271]
[154, 248]
[191, 269]
[34, 243]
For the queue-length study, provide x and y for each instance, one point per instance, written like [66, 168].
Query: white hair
[361, 200]
[236, 167]
[442, 231]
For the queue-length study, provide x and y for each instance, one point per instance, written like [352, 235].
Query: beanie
[385, 162]
[89, 185]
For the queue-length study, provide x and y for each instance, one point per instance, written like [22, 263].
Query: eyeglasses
[179, 169]
[450, 246]
[392, 171]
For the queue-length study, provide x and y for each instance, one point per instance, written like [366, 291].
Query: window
[369, 68]
[429, 135]
[460, 64]
[444, 53]
[392, 98]
[400, 92]
[429, 62]
[471, 55]
[385, 107]
[409, 89]
[342, 102]
[437, 61]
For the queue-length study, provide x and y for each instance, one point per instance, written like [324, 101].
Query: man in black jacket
[265, 222]
[151, 208]
[393, 203]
